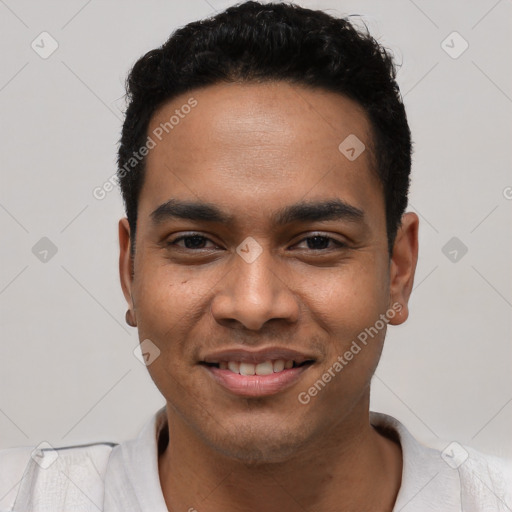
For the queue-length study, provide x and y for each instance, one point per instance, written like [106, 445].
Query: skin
[250, 150]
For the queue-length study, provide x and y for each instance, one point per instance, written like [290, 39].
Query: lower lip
[256, 385]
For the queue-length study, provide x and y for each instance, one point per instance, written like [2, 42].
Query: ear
[403, 265]
[125, 261]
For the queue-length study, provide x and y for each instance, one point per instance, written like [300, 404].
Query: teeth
[247, 369]
[234, 366]
[279, 365]
[266, 368]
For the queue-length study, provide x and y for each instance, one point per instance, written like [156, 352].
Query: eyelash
[340, 245]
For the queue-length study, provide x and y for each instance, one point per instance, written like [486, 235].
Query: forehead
[255, 145]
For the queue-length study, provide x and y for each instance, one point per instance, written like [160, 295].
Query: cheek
[348, 300]
[165, 293]
[167, 315]
[172, 308]
[164, 303]
[359, 322]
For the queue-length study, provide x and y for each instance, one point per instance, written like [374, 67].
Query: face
[261, 258]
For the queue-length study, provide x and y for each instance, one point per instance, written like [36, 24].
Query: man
[264, 164]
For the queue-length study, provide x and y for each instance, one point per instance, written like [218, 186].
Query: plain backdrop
[67, 366]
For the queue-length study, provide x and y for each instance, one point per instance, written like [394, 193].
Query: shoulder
[448, 476]
[13, 462]
[485, 480]
[30, 471]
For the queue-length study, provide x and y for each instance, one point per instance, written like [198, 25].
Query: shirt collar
[428, 483]
[133, 479]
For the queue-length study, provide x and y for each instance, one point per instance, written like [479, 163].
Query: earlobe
[403, 266]
[128, 317]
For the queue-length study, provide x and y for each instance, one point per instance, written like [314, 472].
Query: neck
[353, 466]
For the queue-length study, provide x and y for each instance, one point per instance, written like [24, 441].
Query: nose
[252, 294]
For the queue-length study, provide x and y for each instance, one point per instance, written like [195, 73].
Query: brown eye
[193, 241]
[321, 242]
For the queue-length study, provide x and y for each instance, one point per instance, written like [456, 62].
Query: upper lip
[257, 356]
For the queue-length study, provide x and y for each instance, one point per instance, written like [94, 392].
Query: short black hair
[253, 42]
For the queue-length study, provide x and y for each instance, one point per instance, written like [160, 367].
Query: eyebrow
[302, 212]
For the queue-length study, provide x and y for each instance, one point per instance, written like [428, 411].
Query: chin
[257, 445]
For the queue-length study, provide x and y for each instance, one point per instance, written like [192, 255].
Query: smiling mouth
[268, 367]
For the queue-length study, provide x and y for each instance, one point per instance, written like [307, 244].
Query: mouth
[268, 367]
[257, 374]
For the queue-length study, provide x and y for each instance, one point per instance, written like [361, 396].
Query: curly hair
[253, 42]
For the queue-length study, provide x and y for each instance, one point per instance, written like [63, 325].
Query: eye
[321, 242]
[196, 241]
[192, 241]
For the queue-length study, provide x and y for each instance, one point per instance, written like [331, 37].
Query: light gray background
[67, 369]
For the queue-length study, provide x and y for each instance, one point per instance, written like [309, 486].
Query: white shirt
[124, 477]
